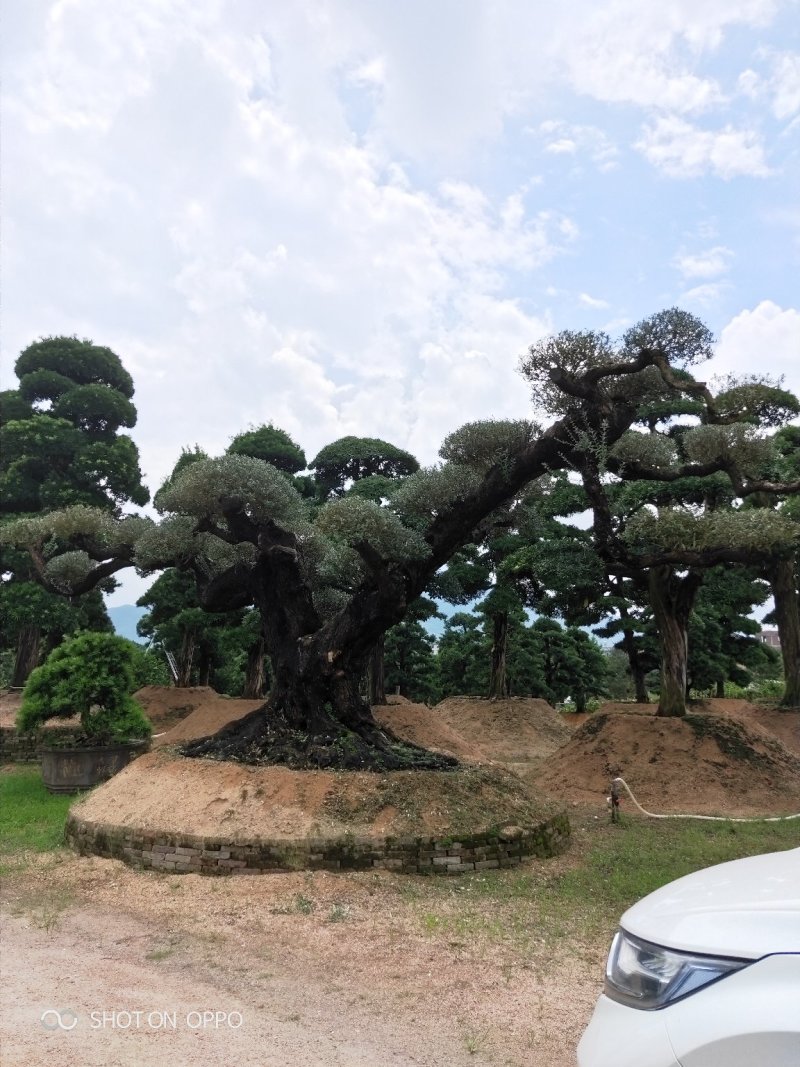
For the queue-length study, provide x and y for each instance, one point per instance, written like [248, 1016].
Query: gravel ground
[323, 969]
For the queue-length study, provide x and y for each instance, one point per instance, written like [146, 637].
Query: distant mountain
[124, 618]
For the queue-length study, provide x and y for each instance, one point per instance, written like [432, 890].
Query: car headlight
[647, 976]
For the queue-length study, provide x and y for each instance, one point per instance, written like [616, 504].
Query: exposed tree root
[264, 737]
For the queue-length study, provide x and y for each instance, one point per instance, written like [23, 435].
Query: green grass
[635, 857]
[609, 868]
[31, 819]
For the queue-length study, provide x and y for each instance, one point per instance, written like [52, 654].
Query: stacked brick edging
[187, 853]
[16, 747]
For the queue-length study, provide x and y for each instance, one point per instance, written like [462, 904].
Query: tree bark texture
[205, 664]
[672, 599]
[635, 667]
[376, 673]
[783, 579]
[255, 671]
[498, 683]
[186, 660]
[27, 655]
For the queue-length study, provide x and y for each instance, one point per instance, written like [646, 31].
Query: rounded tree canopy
[353, 458]
[271, 444]
[95, 409]
[82, 362]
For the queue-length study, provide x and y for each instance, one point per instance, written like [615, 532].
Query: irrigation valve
[613, 800]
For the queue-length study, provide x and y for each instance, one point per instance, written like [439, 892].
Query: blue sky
[352, 217]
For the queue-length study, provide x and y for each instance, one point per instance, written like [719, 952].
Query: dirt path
[94, 976]
[325, 971]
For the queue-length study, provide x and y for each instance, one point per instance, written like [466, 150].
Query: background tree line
[693, 524]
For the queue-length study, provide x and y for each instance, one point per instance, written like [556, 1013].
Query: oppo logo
[58, 1020]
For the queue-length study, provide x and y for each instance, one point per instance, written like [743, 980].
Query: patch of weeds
[305, 905]
[476, 1042]
[339, 913]
[300, 905]
[431, 922]
[163, 952]
[47, 914]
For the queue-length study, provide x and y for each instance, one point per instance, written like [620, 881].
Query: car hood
[748, 908]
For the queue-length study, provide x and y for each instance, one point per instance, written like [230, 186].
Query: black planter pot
[68, 770]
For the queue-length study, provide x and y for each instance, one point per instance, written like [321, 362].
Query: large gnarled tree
[327, 590]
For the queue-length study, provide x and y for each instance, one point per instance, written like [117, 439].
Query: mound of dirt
[785, 725]
[425, 726]
[704, 764]
[164, 792]
[203, 712]
[518, 730]
[184, 714]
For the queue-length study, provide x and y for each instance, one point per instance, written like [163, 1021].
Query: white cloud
[324, 215]
[749, 83]
[592, 302]
[635, 53]
[706, 264]
[685, 151]
[765, 339]
[563, 138]
[785, 85]
[705, 295]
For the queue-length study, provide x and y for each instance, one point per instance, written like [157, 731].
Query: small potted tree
[90, 675]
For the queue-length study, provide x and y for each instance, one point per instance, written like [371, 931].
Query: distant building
[770, 637]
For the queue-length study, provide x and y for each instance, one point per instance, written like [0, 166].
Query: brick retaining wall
[25, 747]
[181, 853]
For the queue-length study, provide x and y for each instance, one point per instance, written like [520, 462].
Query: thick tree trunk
[637, 671]
[255, 673]
[27, 656]
[783, 579]
[720, 688]
[498, 686]
[639, 676]
[186, 660]
[672, 599]
[315, 715]
[376, 674]
[204, 664]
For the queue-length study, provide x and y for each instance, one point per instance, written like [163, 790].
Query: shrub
[90, 675]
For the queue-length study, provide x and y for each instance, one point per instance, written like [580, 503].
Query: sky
[353, 216]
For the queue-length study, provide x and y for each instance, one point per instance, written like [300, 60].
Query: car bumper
[749, 1018]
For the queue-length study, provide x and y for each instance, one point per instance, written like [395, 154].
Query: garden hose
[709, 818]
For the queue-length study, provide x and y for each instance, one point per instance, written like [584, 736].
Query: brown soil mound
[513, 731]
[161, 791]
[425, 726]
[785, 725]
[703, 764]
[195, 712]
[203, 712]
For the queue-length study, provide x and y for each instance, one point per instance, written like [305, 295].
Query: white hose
[710, 818]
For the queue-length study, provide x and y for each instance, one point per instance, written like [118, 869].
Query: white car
[705, 972]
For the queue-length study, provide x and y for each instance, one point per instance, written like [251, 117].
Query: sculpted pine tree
[62, 442]
[672, 509]
[327, 589]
